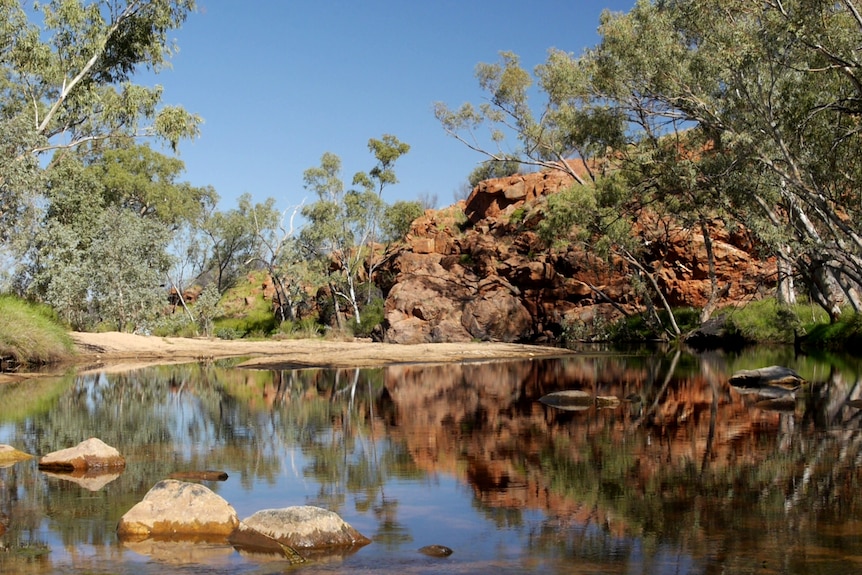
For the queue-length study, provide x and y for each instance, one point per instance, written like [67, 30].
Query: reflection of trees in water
[336, 418]
[685, 464]
[165, 419]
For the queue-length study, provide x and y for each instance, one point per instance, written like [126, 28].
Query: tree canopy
[699, 110]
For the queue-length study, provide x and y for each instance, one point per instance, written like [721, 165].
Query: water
[685, 475]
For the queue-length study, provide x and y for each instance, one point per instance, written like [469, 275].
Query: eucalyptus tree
[574, 134]
[234, 238]
[90, 197]
[146, 182]
[705, 109]
[771, 90]
[67, 80]
[397, 218]
[278, 251]
[343, 224]
[386, 151]
[337, 229]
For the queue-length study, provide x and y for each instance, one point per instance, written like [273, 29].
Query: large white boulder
[177, 509]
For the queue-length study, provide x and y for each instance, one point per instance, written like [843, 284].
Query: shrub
[372, 316]
[305, 328]
[227, 333]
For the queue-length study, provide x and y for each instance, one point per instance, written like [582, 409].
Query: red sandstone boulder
[493, 279]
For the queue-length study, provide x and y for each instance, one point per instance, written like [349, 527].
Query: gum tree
[343, 224]
[746, 112]
[67, 80]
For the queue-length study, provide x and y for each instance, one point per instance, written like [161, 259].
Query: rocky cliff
[478, 271]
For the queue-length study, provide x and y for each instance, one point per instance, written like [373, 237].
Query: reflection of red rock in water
[483, 424]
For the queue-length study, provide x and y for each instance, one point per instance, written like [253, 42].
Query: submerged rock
[435, 551]
[10, 455]
[207, 475]
[176, 509]
[92, 453]
[299, 527]
[578, 400]
[774, 376]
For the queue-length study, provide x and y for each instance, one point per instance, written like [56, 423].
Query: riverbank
[115, 351]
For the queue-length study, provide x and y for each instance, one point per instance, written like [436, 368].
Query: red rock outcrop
[478, 271]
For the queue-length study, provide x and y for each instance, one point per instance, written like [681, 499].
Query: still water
[684, 475]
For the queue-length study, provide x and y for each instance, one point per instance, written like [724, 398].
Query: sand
[116, 350]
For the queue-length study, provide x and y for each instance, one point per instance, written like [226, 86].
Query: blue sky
[280, 82]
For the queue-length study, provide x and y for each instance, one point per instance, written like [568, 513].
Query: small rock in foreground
[300, 527]
[90, 454]
[435, 551]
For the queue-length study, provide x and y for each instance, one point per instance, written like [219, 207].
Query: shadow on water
[680, 473]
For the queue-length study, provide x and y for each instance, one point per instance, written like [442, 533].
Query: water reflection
[684, 475]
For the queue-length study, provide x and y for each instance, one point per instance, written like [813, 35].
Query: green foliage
[71, 177]
[767, 320]
[253, 324]
[372, 316]
[176, 324]
[646, 327]
[71, 77]
[235, 239]
[227, 333]
[598, 329]
[305, 328]
[696, 111]
[19, 177]
[397, 219]
[490, 169]
[245, 312]
[343, 225]
[844, 335]
[518, 215]
[138, 178]
[571, 211]
[32, 333]
[206, 308]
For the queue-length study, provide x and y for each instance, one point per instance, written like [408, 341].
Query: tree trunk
[714, 293]
[786, 291]
[825, 289]
[671, 318]
[339, 317]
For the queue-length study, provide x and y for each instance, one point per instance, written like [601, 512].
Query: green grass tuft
[32, 334]
[767, 321]
[843, 335]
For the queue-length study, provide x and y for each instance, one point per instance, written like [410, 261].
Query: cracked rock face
[478, 270]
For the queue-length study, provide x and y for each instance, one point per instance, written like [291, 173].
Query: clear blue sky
[280, 82]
